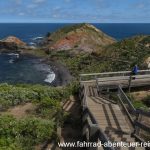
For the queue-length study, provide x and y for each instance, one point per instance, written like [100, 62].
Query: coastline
[62, 74]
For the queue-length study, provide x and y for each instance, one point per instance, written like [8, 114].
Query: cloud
[57, 8]
[140, 5]
[31, 6]
[67, 1]
[21, 14]
[38, 1]
[77, 10]
[18, 2]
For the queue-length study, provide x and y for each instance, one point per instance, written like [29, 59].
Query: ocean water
[24, 69]
[31, 70]
[28, 31]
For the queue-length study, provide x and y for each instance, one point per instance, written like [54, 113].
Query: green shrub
[24, 133]
[146, 101]
[11, 95]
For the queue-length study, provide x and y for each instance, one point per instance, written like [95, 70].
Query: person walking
[135, 70]
[133, 73]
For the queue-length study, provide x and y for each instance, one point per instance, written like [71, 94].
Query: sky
[75, 11]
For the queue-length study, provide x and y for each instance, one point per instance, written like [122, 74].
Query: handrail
[142, 112]
[101, 136]
[121, 93]
[110, 74]
[137, 124]
[97, 85]
[142, 126]
[132, 110]
[127, 112]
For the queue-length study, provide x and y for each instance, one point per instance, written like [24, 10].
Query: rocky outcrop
[11, 43]
[78, 38]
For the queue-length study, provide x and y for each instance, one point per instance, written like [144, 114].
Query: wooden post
[137, 129]
[130, 80]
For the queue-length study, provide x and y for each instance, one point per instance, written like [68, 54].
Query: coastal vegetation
[82, 49]
[119, 56]
[40, 124]
[23, 134]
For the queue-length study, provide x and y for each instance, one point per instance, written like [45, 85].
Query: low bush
[146, 101]
[12, 95]
[24, 134]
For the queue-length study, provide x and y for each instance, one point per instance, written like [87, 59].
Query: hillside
[122, 55]
[128, 52]
[78, 38]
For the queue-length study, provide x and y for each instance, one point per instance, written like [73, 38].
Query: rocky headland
[79, 38]
[11, 43]
[84, 48]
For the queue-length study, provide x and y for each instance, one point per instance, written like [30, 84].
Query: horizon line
[79, 22]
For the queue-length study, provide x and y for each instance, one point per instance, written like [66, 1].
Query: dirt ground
[140, 95]
[20, 111]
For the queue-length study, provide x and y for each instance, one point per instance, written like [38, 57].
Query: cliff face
[11, 43]
[78, 38]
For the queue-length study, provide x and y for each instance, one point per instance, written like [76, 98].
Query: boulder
[11, 43]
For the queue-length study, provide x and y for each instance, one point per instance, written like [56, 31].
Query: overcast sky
[98, 11]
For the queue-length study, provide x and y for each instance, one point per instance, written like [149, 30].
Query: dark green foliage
[138, 104]
[82, 63]
[48, 108]
[25, 133]
[128, 52]
[61, 33]
[11, 95]
[70, 28]
[145, 40]
[146, 101]
[48, 34]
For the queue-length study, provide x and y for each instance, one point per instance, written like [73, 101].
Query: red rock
[11, 43]
[15, 40]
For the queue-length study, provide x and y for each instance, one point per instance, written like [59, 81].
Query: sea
[29, 32]
[31, 70]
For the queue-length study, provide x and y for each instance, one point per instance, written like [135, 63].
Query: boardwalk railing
[135, 115]
[93, 76]
[126, 104]
[142, 123]
[91, 130]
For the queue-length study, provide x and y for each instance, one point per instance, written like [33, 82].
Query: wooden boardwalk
[110, 117]
[139, 81]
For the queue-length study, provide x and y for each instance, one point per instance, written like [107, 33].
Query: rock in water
[11, 43]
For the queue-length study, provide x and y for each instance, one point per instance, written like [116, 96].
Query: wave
[38, 38]
[32, 44]
[13, 54]
[50, 77]
[46, 69]
[11, 61]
